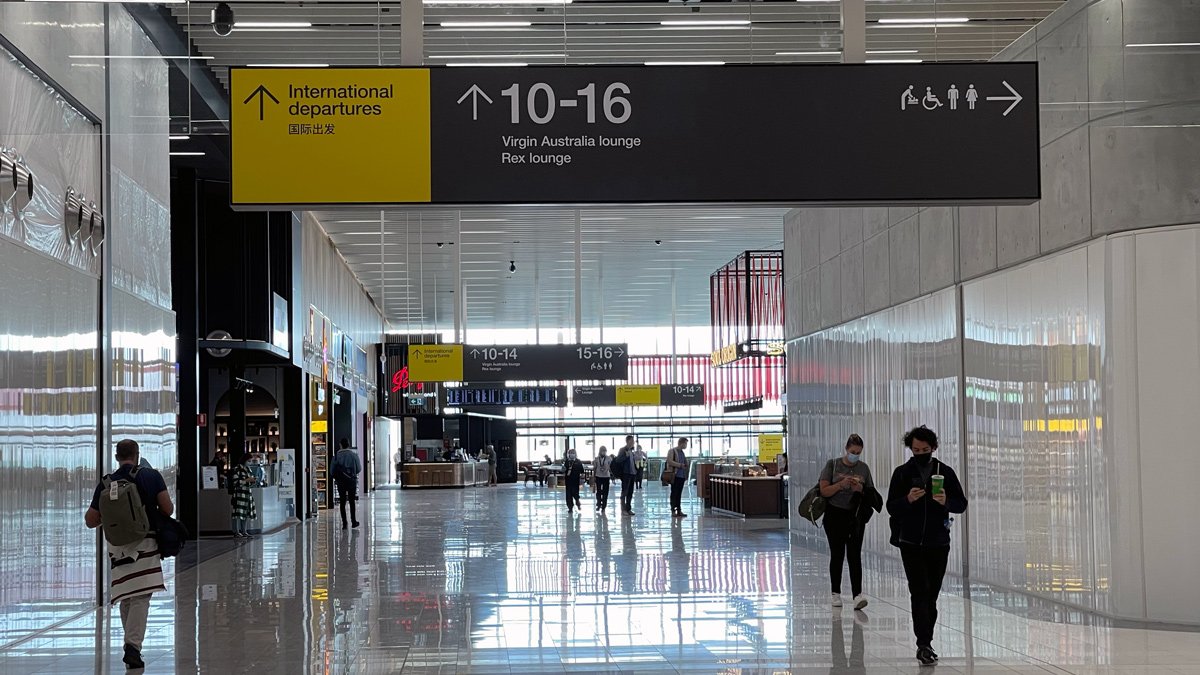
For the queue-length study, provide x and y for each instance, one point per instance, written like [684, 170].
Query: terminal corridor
[456, 589]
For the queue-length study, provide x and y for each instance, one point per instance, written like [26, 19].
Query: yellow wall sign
[318, 426]
[639, 394]
[329, 135]
[769, 446]
[435, 363]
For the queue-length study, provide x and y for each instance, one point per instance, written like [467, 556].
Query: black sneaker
[926, 657]
[355, 524]
[933, 654]
[133, 657]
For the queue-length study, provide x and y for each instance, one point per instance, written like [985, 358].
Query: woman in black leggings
[843, 482]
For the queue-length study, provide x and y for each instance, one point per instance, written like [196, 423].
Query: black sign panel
[500, 363]
[830, 133]
[607, 395]
[466, 397]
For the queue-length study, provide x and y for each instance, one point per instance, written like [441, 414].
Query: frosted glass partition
[1035, 413]
[47, 440]
[877, 376]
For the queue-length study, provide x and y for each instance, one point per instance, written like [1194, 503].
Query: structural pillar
[412, 32]
[854, 31]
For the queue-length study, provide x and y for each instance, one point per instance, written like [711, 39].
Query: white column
[854, 31]
[459, 302]
[578, 278]
[412, 33]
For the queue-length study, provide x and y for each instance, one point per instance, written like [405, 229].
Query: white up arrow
[1015, 98]
[475, 92]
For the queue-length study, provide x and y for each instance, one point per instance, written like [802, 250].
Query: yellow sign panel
[639, 394]
[329, 135]
[435, 363]
[318, 426]
[769, 447]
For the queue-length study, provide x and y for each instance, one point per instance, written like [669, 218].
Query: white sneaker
[837, 599]
[860, 601]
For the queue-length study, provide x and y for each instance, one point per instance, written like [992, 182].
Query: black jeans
[845, 534]
[602, 486]
[677, 494]
[348, 493]
[925, 567]
[627, 492]
[641, 472]
[572, 492]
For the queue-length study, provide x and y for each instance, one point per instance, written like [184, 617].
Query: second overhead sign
[501, 363]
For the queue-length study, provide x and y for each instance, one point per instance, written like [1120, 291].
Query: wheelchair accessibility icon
[930, 102]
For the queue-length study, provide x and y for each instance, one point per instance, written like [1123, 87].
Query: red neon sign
[400, 380]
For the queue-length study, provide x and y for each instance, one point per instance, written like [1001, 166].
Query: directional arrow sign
[474, 92]
[262, 93]
[500, 363]
[1015, 98]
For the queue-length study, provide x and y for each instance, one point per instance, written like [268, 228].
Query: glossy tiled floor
[503, 580]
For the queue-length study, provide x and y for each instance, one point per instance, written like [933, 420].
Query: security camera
[658, 242]
[440, 244]
[222, 19]
[512, 266]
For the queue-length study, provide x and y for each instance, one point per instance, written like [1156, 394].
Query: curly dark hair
[921, 433]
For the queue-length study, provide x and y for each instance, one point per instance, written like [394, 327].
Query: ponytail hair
[855, 441]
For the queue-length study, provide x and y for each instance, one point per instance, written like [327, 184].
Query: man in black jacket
[922, 495]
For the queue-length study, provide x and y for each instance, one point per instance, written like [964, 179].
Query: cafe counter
[746, 496]
[445, 474]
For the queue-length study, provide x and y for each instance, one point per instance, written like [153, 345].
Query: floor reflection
[503, 580]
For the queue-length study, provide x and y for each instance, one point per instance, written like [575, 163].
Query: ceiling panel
[627, 278]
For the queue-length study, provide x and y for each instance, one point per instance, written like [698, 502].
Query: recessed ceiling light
[178, 138]
[685, 63]
[498, 56]
[817, 53]
[186, 154]
[891, 51]
[272, 24]
[933, 20]
[1165, 44]
[894, 61]
[702, 23]
[486, 24]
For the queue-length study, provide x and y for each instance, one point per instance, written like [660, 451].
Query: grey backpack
[122, 514]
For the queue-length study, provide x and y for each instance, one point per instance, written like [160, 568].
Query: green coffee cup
[938, 481]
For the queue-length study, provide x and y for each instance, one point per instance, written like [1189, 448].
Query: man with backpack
[127, 505]
[346, 467]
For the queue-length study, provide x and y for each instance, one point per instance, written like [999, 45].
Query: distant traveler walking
[639, 461]
[127, 503]
[241, 499]
[489, 453]
[346, 467]
[844, 482]
[603, 473]
[677, 460]
[624, 468]
[572, 474]
[921, 498]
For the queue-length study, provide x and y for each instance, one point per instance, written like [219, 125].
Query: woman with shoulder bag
[844, 480]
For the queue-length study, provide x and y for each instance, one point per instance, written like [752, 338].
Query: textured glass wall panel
[877, 376]
[1035, 416]
[47, 440]
[141, 212]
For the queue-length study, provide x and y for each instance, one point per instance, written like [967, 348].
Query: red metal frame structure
[746, 299]
[760, 377]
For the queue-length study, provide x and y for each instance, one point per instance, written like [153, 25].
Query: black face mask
[925, 459]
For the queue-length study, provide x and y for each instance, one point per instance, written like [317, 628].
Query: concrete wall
[1120, 151]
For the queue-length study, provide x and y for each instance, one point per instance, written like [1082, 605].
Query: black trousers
[627, 492]
[602, 486]
[641, 472]
[925, 567]
[572, 485]
[845, 534]
[348, 493]
[677, 494]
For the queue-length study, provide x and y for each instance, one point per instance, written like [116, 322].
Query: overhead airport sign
[503, 363]
[829, 133]
[638, 394]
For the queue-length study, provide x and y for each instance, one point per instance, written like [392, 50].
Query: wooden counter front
[745, 495]
[445, 474]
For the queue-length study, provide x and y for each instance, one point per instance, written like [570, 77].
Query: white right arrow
[475, 92]
[1015, 98]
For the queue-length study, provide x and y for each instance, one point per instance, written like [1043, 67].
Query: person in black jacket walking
[922, 495]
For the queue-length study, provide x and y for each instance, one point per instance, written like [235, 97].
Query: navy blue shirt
[149, 483]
